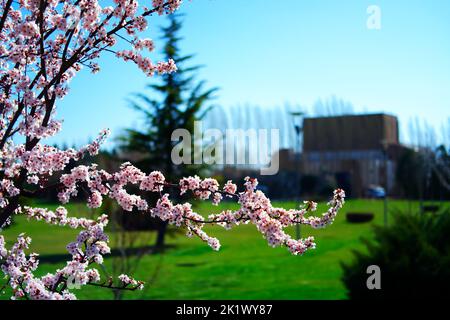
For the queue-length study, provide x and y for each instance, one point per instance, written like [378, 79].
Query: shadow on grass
[190, 264]
[145, 250]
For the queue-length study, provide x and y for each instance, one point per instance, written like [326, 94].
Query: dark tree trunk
[160, 237]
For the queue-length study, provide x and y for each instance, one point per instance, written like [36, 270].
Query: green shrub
[413, 255]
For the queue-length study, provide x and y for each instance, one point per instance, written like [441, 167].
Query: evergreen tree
[176, 102]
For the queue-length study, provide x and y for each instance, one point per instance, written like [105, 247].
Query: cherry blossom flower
[43, 46]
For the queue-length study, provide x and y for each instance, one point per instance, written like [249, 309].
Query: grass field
[244, 268]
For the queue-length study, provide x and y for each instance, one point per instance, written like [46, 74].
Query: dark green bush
[413, 255]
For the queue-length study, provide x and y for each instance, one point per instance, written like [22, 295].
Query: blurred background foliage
[414, 257]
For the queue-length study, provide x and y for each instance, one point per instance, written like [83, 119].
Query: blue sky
[271, 52]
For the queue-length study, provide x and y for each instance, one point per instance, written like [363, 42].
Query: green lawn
[244, 268]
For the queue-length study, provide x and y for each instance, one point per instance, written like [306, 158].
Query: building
[358, 150]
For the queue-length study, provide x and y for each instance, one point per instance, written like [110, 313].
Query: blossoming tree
[43, 45]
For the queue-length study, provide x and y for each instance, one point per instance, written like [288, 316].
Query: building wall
[366, 148]
[355, 132]
[364, 168]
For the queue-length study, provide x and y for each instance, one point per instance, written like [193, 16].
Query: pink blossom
[153, 182]
[42, 50]
[230, 188]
